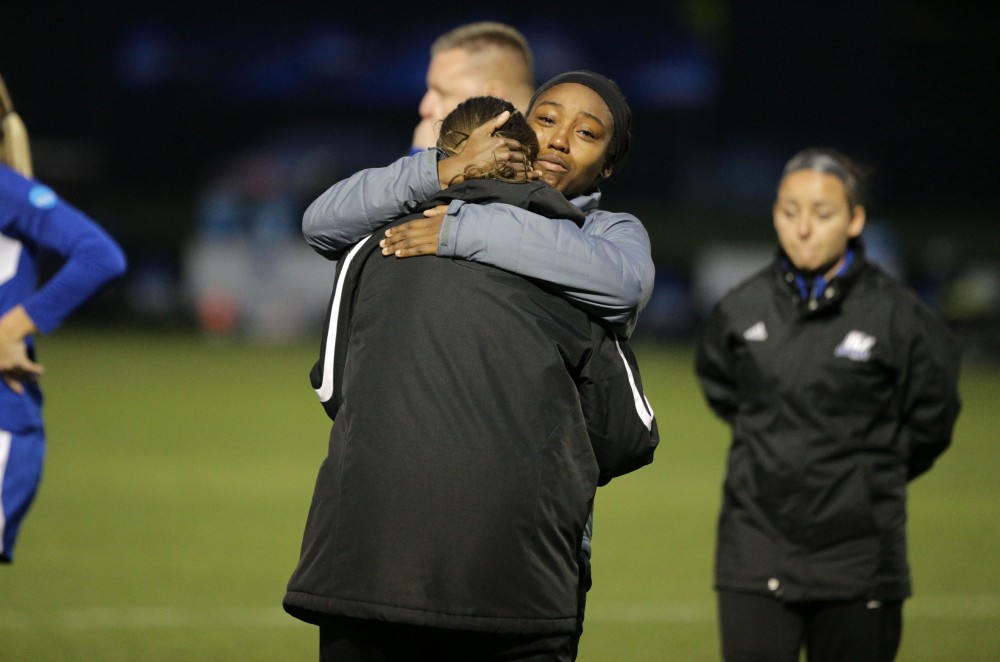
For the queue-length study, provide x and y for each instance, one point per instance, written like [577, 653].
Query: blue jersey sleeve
[34, 215]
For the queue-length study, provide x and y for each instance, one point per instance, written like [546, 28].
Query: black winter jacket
[476, 414]
[835, 402]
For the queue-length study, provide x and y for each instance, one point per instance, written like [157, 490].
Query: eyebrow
[582, 112]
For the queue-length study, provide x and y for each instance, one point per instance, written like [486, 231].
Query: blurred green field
[180, 471]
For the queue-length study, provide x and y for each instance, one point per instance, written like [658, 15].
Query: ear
[606, 170]
[857, 222]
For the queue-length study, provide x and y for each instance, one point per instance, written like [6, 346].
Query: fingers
[500, 120]
[419, 224]
[17, 378]
[514, 151]
[406, 238]
[483, 144]
[410, 243]
[17, 365]
[14, 384]
[417, 237]
[440, 210]
[491, 125]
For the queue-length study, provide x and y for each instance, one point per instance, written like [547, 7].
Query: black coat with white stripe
[836, 401]
[475, 415]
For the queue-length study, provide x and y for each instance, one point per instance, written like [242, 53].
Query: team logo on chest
[856, 346]
[757, 332]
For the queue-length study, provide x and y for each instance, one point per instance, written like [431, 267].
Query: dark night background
[134, 108]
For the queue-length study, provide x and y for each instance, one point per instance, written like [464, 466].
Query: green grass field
[180, 471]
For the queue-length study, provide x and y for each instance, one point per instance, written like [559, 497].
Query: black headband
[607, 89]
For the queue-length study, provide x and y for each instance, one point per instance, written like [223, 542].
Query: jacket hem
[313, 609]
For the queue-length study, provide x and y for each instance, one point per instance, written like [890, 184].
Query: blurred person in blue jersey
[475, 59]
[449, 518]
[34, 219]
[840, 387]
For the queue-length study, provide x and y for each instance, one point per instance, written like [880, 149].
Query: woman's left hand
[417, 237]
[16, 367]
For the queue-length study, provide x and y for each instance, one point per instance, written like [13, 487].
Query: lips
[552, 163]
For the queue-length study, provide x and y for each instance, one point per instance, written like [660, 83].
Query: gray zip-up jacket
[604, 267]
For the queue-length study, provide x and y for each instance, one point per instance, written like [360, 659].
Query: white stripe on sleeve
[325, 391]
[642, 406]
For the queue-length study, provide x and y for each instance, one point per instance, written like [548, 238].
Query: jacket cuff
[448, 236]
[429, 181]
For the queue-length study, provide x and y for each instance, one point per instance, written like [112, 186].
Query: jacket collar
[587, 201]
[810, 295]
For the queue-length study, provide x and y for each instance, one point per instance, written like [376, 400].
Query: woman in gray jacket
[604, 267]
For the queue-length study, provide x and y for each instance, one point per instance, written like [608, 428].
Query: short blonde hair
[517, 65]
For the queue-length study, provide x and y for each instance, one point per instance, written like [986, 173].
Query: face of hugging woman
[574, 128]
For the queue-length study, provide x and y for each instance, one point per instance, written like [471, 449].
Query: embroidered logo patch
[757, 332]
[856, 346]
[42, 196]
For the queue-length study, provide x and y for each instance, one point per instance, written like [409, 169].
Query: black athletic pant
[586, 581]
[758, 628]
[361, 640]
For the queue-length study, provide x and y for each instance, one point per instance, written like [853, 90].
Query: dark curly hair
[476, 111]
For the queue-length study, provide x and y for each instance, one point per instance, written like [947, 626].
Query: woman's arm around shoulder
[353, 208]
[605, 267]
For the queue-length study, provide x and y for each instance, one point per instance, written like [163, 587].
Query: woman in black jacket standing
[840, 387]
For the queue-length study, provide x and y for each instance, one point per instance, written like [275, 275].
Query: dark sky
[141, 94]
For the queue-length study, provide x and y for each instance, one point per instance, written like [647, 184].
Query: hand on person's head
[484, 151]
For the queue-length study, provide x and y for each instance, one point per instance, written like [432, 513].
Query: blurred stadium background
[180, 473]
[184, 434]
[198, 132]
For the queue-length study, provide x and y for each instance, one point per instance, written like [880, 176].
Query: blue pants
[21, 457]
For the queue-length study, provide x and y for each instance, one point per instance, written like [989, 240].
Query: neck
[812, 281]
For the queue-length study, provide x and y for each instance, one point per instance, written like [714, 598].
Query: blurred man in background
[475, 59]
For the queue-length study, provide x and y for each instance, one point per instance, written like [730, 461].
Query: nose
[805, 226]
[559, 139]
